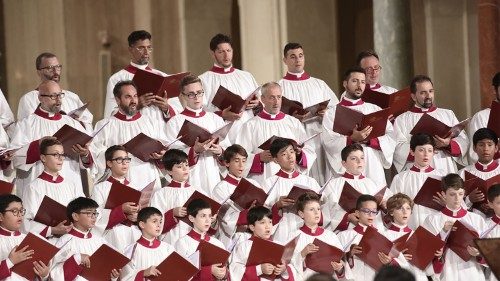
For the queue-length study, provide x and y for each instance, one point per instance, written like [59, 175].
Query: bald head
[50, 96]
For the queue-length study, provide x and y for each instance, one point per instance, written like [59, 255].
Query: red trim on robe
[454, 149]
[115, 217]
[49, 178]
[352, 177]
[45, 115]
[43, 233]
[33, 153]
[132, 69]
[4, 232]
[192, 157]
[345, 102]
[375, 144]
[348, 141]
[490, 167]
[124, 117]
[276, 213]
[222, 70]
[190, 113]
[4, 164]
[343, 224]
[266, 116]
[257, 166]
[308, 230]
[169, 221]
[419, 110]
[197, 236]
[250, 274]
[302, 160]
[71, 269]
[295, 77]
[460, 213]
[418, 170]
[4, 270]
[139, 276]
[495, 219]
[242, 218]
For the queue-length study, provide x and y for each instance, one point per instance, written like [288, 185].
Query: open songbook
[149, 82]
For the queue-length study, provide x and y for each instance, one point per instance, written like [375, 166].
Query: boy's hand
[218, 271]
[265, 156]
[61, 229]
[360, 135]
[151, 271]
[472, 251]
[384, 259]
[353, 218]
[337, 266]
[439, 253]
[355, 249]
[180, 212]
[130, 208]
[284, 202]
[267, 268]
[40, 269]
[115, 273]
[439, 198]
[85, 260]
[408, 257]
[309, 249]
[18, 256]
[476, 196]
[448, 225]
[280, 268]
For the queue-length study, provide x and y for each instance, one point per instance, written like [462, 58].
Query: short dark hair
[365, 198]
[344, 153]
[418, 79]
[493, 192]
[280, 143]
[78, 204]
[421, 139]
[232, 151]
[495, 82]
[187, 80]
[219, 39]
[145, 213]
[320, 277]
[484, 134]
[117, 90]
[291, 46]
[173, 157]
[453, 181]
[354, 69]
[40, 57]
[6, 199]
[108, 155]
[138, 35]
[365, 54]
[393, 273]
[48, 142]
[257, 213]
[306, 198]
[197, 205]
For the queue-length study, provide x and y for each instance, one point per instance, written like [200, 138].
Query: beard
[353, 95]
[427, 103]
[54, 77]
[130, 110]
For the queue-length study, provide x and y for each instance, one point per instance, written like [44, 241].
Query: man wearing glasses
[368, 60]
[140, 48]
[48, 68]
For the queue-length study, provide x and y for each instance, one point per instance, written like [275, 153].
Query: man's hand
[85, 260]
[408, 257]
[253, 103]
[284, 202]
[18, 256]
[384, 259]
[158, 155]
[61, 229]
[83, 151]
[40, 269]
[200, 147]
[355, 249]
[8, 156]
[130, 208]
[215, 149]
[151, 271]
[476, 196]
[448, 225]
[280, 268]
[439, 198]
[309, 249]
[162, 103]
[146, 100]
[218, 271]
[302, 117]
[267, 268]
[361, 135]
[265, 156]
[337, 266]
[180, 212]
[441, 143]
[230, 116]
[473, 251]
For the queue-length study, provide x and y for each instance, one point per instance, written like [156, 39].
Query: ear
[74, 216]
[1, 217]
[117, 100]
[489, 204]
[496, 148]
[43, 158]
[344, 84]
[142, 225]
[413, 97]
[412, 153]
[284, 60]
[191, 218]
[301, 214]
[343, 164]
[251, 227]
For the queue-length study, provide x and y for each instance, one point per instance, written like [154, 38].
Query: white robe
[310, 91]
[478, 121]
[376, 159]
[493, 231]
[360, 270]
[6, 168]
[240, 82]
[6, 115]
[262, 127]
[403, 125]
[8, 240]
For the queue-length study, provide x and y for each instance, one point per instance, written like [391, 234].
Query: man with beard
[48, 68]
[368, 60]
[422, 93]
[124, 125]
[140, 48]
[237, 81]
[377, 151]
[45, 121]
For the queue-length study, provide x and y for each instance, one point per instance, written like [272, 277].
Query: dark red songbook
[348, 198]
[372, 243]
[51, 212]
[472, 182]
[431, 126]
[489, 249]
[297, 191]
[70, 136]
[77, 113]
[292, 107]
[6, 187]
[141, 146]
[149, 82]
[211, 254]
[347, 119]
[190, 131]
[224, 98]
[102, 262]
[245, 193]
[425, 195]
[494, 119]
[120, 193]
[459, 239]
[397, 102]
[175, 268]
[43, 251]
[423, 256]
[214, 205]
[267, 251]
[320, 261]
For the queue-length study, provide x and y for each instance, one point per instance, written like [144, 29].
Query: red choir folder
[266, 251]
[245, 193]
[224, 98]
[472, 182]
[431, 126]
[429, 189]
[267, 144]
[211, 254]
[422, 256]
[347, 119]
[70, 136]
[400, 243]
[372, 243]
[77, 113]
[292, 107]
[6, 187]
[51, 212]
[214, 205]
[149, 82]
[397, 102]
[297, 191]
[43, 251]
[489, 249]
[102, 262]
[320, 261]
[146, 194]
[175, 268]
[348, 198]
[120, 193]
[380, 195]
[459, 239]
[315, 108]
[141, 146]
[494, 119]
[190, 131]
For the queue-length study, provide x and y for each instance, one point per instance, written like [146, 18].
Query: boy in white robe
[51, 184]
[200, 215]
[335, 217]
[260, 222]
[454, 267]
[148, 252]
[410, 181]
[117, 224]
[11, 218]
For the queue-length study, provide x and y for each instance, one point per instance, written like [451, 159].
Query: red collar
[124, 117]
[46, 177]
[420, 110]
[231, 180]
[349, 176]
[6, 232]
[132, 69]
[222, 70]
[308, 230]
[345, 102]
[495, 219]
[80, 234]
[419, 170]
[149, 244]
[191, 113]
[376, 86]
[112, 180]
[267, 116]
[359, 229]
[283, 174]
[178, 184]
[43, 114]
[457, 214]
[295, 77]
[399, 229]
[196, 236]
[486, 168]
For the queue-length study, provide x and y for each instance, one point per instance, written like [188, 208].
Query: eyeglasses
[141, 49]
[55, 96]
[52, 67]
[373, 69]
[369, 212]
[90, 214]
[193, 95]
[17, 212]
[56, 155]
[121, 160]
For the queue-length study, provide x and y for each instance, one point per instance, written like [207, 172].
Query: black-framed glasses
[141, 49]
[193, 95]
[54, 96]
[52, 67]
[369, 212]
[56, 155]
[17, 212]
[373, 69]
[121, 160]
[92, 214]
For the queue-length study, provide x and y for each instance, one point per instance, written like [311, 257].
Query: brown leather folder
[6, 187]
[224, 98]
[120, 193]
[472, 182]
[348, 198]
[429, 188]
[211, 254]
[77, 113]
[43, 251]
[51, 212]
[315, 108]
[431, 126]
[245, 193]
[214, 205]
[347, 119]
[266, 251]
[146, 194]
[190, 131]
[267, 144]
[297, 191]
[372, 243]
[175, 268]
[422, 256]
[494, 119]
[141, 146]
[149, 82]
[70, 136]
[380, 195]
[320, 261]
[291, 107]
[459, 239]
[102, 262]
[489, 249]
[397, 102]
[400, 243]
